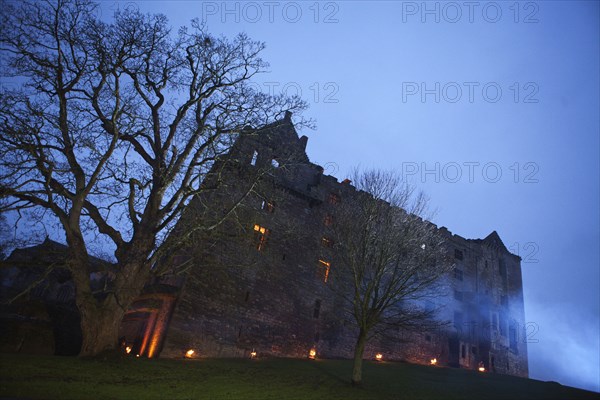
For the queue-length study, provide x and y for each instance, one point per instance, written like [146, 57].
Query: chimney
[288, 116]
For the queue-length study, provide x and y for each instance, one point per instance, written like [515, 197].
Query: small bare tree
[111, 128]
[390, 259]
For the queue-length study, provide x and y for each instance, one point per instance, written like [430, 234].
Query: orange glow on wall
[148, 332]
[160, 326]
[433, 361]
[263, 235]
[326, 267]
[379, 356]
[312, 354]
[189, 353]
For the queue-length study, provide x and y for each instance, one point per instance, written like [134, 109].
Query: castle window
[463, 351]
[458, 295]
[502, 323]
[458, 320]
[268, 206]
[262, 235]
[474, 350]
[512, 336]
[326, 242]
[324, 267]
[458, 274]
[254, 158]
[494, 325]
[458, 254]
[328, 221]
[317, 309]
[275, 163]
[502, 268]
[333, 198]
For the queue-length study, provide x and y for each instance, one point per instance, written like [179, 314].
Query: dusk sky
[492, 108]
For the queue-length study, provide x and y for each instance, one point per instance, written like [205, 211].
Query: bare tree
[111, 129]
[390, 259]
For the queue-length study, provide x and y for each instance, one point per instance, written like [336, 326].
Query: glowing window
[324, 268]
[328, 221]
[262, 234]
[254, 158]
[275, 163]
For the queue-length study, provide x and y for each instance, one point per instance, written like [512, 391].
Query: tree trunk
[100, 328]
[359, 350]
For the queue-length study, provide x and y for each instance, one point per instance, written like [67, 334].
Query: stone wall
[248, 291]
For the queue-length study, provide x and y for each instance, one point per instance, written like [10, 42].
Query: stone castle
[269, 293]
[258, 284]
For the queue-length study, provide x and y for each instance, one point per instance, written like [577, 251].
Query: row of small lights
[312, 354]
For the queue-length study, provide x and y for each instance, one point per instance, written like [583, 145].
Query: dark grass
[47, 377]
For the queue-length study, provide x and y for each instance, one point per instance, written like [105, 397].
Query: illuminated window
[254, 158]
[269, 206]
[324, 267]
[262, 235]
[326, 242]
[275, 163]
[333, 198]
[328, 221]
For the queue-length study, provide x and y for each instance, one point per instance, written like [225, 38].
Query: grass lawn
[47, 377]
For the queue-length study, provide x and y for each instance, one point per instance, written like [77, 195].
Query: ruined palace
[258, 285]
[261, 285]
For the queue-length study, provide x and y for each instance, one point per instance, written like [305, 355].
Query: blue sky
[491, 108]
